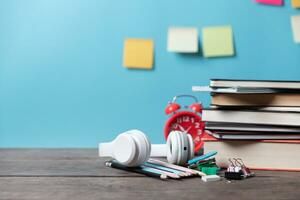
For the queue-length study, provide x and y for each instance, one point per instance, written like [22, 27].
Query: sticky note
[217, 41]
[295, 21]
[182, 40]
[138, 53]
[295, 3]
[271, 2]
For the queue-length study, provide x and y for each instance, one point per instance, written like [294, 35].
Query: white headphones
[180, 147]
[133, 148]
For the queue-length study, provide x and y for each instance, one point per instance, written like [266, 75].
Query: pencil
[138, 170]
[184, 169]
[169, 174]
[167, 169]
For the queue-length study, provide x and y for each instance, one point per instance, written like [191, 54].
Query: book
[263, 108]
[278, 118]
[263, 154]
[234, 90]
[276, 84]
[285, 108]
[244, 135]
[275, 99]
[234, 127]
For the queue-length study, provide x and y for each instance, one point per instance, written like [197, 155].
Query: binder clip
[237, 170]
[246, 171]
[233, 172]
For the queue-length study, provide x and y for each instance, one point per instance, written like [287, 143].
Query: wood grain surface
[60, 174]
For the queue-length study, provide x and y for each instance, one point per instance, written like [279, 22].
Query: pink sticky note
[271, 2]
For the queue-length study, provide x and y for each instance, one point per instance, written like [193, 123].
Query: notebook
[252, 117]
[255, 83]
[279, 99]
[248, 135]
[218, 126]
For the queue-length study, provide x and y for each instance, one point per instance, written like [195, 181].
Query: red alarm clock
[188, 120]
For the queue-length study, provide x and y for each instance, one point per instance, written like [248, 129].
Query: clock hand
[187, 129]
[181, 128]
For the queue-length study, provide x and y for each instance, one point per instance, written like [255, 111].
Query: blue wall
[62, 83]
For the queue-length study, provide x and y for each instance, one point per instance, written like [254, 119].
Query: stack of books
[258, 121]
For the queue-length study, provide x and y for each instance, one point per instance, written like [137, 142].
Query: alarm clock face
[188, 122]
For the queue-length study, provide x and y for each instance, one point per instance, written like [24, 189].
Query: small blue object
[199, 158]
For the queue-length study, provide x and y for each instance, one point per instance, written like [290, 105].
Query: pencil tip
[108, 164]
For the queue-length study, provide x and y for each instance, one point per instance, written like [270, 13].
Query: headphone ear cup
[191, 146]
[148, 147]
[142, 144]
[179, 147]
[184, 148]
[125, 149]
[172, 145]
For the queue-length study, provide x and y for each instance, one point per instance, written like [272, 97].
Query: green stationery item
[210, 170]
[207, 162]
[200, 168]
[209, 166]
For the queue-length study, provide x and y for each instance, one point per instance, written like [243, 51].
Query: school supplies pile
[131, 151]
[256, 120]
[205, 163]
[205, 166]
[157, 169]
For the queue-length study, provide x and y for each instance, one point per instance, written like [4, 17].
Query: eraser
[210, 170]
[210, 178]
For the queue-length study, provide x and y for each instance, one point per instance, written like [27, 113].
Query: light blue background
[62, 83]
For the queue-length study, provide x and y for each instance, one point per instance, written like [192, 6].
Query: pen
[139, 170]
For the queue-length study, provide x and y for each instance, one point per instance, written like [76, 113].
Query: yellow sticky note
[138, 53]
[296, 3]
[217, 41]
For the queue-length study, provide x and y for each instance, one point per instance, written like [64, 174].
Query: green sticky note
[217, 41]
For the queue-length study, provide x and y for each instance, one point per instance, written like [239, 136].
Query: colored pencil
[167, 169]
[169, 174]
[184, 169]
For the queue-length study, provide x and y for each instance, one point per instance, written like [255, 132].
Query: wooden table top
[65, 174]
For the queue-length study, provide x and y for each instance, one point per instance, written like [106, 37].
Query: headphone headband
[133, 148]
